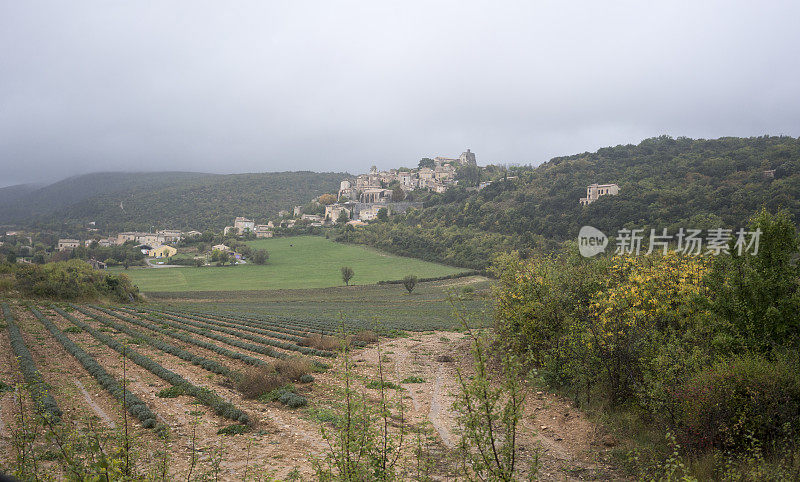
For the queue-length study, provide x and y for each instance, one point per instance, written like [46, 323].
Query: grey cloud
[259, 86]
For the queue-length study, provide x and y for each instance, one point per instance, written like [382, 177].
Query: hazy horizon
[255, 87]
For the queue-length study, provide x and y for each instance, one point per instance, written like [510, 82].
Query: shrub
[741, 397]
[295, 401]
[72, 280]
[320, 342]
[366, 336]
[376, 384]
[285, 395]
[139, 338]
[234, 429]
[171, 392]
[293, 369]
[409, 282]
[255, 382]
[184, 337]
[307, 378]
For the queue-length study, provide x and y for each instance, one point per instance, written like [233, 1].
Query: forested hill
[664, 183]
[128, 201]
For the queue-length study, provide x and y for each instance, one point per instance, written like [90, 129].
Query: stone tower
[467, 158]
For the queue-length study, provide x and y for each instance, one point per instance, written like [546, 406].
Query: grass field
[384, 307]
[301, 262]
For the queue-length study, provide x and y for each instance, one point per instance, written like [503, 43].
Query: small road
[151, 264]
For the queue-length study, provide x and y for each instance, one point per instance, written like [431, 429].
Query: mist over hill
[181, 200]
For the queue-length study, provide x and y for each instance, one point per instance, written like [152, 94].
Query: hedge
[135, 406]
[464, 274]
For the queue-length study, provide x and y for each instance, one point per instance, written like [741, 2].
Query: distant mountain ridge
[183, 200]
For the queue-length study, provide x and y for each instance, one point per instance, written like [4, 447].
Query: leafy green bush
[376, 385]
[235, 429]
[72, 280]
[307, 378]
[173, 391]
[740, 397]
[287, 396]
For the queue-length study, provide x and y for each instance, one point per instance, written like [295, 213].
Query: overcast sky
[332, 86]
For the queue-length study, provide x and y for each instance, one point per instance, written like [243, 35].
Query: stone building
[595, 191]
[467, 158]
[66, 243]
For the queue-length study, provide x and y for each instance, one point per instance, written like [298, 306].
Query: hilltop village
[359, 200]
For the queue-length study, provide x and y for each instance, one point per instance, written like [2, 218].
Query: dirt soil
[283, 440]
[570, 446]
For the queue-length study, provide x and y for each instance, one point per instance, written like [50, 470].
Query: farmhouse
[151, 239]
[66, 243]
[170, 235]
[241, 225]
[264, 230]
[313, 218]
[220, 247]
[162, 251]
[595, 191]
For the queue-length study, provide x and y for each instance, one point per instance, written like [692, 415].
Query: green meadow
[294, 263]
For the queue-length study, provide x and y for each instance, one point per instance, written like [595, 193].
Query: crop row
[323, 327]
[248, 327]
[198, 360]
[207, 397]
[278, 323]
[45, 403]
[256, 327]
[135, 406]
[290, 329]
[264, 350]
[248, 336]
[250, 360]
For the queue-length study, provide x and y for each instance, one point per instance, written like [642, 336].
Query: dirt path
[441, 418]
[569, 445]
[97, 409]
